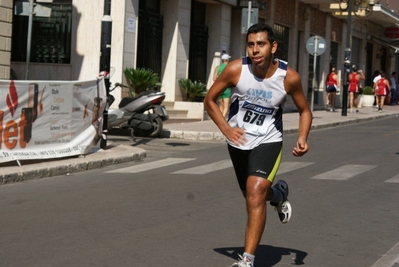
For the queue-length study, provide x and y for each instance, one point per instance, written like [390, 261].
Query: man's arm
[293, 87]
[228, 78]
[336, 78]
[388, 86]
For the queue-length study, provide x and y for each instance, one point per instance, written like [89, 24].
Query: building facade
[185, 38]
[5, 37]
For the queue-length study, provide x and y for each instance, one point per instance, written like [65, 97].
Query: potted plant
[367, 96]
[141, 79]
[195, 91]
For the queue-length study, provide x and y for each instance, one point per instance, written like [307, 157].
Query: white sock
[250, 257]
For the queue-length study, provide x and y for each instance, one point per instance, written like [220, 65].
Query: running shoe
[284, 209]
[243, 262]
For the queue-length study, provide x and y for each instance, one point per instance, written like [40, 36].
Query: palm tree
[141, 79]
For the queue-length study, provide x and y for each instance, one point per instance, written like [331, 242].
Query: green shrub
[193, 89]
[141, 79]
[368, 90]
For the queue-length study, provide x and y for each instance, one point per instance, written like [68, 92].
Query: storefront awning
[385, 43]
[383, 16]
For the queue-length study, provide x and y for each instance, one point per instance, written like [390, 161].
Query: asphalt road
[181, 206]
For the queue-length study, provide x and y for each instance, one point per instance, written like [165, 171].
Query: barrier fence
[50, 119]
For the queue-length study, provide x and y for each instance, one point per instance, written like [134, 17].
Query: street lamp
[105, 62]
[361, 8]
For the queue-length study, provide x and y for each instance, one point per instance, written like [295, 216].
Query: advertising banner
[50, 119]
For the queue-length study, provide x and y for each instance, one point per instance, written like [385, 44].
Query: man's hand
[300, 149]
[236, 136]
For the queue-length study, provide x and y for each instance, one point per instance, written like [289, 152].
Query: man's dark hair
[261, 27]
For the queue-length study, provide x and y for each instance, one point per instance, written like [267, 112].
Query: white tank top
[257, 105]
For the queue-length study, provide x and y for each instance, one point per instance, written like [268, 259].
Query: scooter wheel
[156, 131]
[158, 127]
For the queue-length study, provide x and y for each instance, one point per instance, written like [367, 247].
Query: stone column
[175, 48]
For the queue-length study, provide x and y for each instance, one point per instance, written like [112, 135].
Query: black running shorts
[262, 161]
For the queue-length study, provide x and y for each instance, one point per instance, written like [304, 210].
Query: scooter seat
[127, 100]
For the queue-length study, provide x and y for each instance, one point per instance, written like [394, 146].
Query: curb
[58, 167]
[218, 136]
[193, 135]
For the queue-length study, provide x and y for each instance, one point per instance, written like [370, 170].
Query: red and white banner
[50, 119]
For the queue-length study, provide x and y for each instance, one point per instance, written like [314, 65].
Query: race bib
[254, 118]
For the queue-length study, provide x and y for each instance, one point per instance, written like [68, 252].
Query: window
[281, 35]
[51, 32]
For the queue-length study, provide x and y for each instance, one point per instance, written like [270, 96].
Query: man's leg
[393, 96]
[226, 102]
[332, 101]
[382, 101]
[258, 191]
[351, 101]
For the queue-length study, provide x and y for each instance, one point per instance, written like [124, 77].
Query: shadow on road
[266, 256]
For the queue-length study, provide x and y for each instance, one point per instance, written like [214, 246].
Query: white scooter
[144, 113]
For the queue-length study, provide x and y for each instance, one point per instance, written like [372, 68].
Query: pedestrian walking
[224, 98]
[376, 77]
[381, 89]
[354, 86]
[254, 131]
[332, 88]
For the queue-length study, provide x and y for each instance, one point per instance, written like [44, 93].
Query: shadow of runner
[266, 256]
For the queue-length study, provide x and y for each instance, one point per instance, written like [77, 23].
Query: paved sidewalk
[207, 130]
[204, 131]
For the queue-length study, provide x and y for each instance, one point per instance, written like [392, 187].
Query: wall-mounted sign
[392, 33]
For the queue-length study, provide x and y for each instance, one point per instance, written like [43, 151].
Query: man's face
[259, 48]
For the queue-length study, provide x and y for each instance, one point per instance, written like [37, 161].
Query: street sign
[244, 18]
[316, 45]
[22, 9]
[392, 33]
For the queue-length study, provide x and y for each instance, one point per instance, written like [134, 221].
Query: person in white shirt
[377, 77]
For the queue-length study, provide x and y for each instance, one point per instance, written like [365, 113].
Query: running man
[254, 130]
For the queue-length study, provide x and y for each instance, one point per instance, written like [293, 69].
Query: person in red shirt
[332, 88]
[381, 89]
[354, 80]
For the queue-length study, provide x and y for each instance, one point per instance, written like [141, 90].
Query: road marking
[225, 164]
[291, 166]
[394, 179]
[389, 259]
[207, 168]
[151, 165]
[344, 173]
